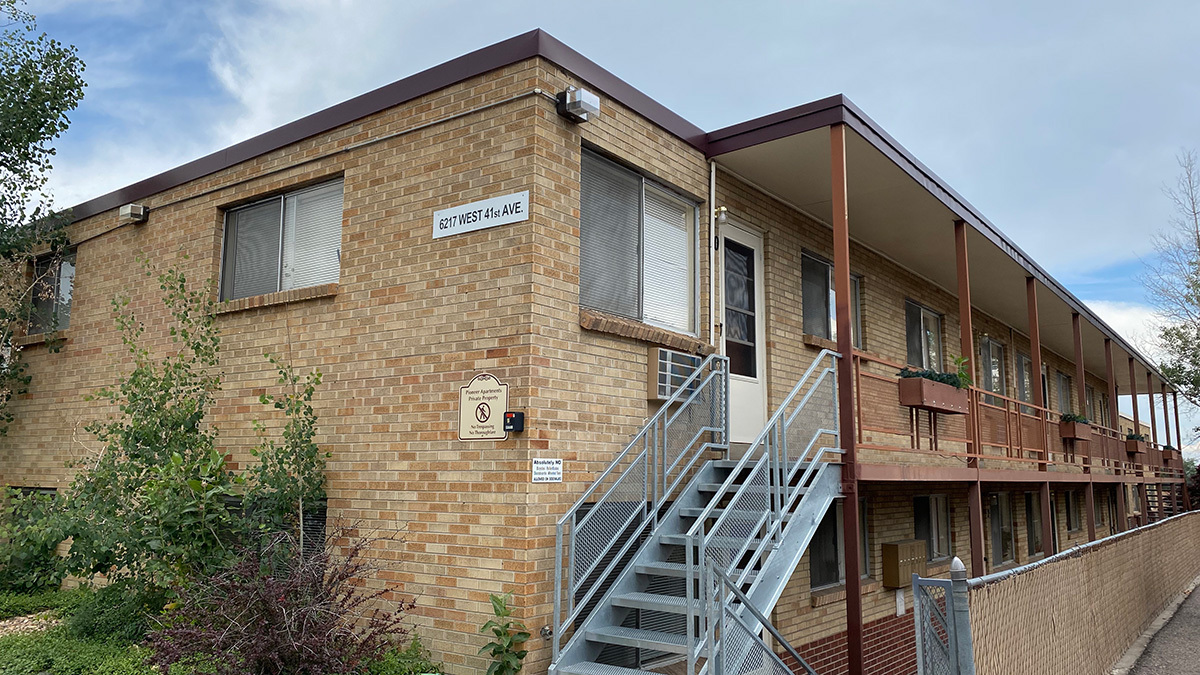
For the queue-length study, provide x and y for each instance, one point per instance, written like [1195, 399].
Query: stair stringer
[764, 593]
[578, 649]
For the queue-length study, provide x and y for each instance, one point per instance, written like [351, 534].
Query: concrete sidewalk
[1174, 649]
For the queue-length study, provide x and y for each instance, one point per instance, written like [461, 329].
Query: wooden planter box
[1168, 455]
[1135, 448]
[1075, 430]
[918, 392]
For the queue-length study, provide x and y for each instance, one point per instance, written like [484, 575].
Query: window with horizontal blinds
[637, 247]
[610, 215]
[252, 262]
[312, 236]
[290, 241]
[667, 261]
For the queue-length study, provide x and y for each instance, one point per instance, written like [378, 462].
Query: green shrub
[30, 532]
[57, 653]
[119, 613]
[22, 604]
[413, 660]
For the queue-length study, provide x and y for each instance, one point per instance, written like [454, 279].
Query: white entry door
[743, 338]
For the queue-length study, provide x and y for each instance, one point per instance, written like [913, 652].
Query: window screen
[610, 212]
[741, 343]
[815, 298]
[54, 281]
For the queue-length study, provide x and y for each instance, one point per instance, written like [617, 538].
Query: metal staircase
[677, 553]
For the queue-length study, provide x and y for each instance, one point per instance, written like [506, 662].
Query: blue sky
[1059, 121]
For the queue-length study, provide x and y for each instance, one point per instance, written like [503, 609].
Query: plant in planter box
[1074, 426]
[934, 390]
[1135, 444]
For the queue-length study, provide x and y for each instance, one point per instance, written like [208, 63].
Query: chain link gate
[943, 624]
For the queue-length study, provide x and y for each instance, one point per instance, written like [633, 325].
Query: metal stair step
[672, 643]
[729, 543]
[672, 569]
[695, 512]
[716, 487]
[656, 602]
[590, 668]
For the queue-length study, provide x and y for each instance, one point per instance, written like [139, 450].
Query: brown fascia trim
[839, 109]
[513, 50]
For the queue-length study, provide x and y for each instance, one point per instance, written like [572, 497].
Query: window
[931, 518]
[1090, 407]
[1004, 542]
[741, 321]
[826, 552]
[53, 284]
[1073, 521]
[637, 247]
[290, 241]
[1105, 413]
[923, 329]
[991, 364]
[819, 301]
[1033, 522]
[1064, 393]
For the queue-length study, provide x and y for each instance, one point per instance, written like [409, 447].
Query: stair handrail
[772, 472]
[722, 593]
[645, 457]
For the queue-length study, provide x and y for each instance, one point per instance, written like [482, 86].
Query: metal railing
[622, 507]
[752, 520]
[740, 649]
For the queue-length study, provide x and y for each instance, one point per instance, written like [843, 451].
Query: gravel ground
[1174, 648]
[27, 624]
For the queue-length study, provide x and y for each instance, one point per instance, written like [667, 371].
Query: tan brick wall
[1079, 613]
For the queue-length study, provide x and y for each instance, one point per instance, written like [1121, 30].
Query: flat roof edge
[528, 45]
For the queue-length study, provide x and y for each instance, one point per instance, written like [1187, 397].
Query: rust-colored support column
[1150, 400]
[1144, 518]
[1081, 396]
[841, 286]
[1114, 422]
[1133, 395]
[1035, 355]
[1047, 522]
[966, 344]
[1187, 500]
[1166, 414]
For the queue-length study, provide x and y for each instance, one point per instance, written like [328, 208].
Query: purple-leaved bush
[276, 611]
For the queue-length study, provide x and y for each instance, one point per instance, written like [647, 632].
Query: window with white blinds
[290, 241]
[637, 248]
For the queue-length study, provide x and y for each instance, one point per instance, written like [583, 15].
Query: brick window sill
[39, 339]
[832, 594]
[280, 298]
[602, 322]
[936, 567]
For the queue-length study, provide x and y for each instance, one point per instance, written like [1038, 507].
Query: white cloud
[1138, 323]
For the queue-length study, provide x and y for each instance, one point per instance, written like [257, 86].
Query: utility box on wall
[902, 559]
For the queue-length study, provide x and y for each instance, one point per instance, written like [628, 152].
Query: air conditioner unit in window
[668, 370]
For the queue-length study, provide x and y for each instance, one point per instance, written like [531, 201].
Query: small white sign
[547, 470]
[504, 210]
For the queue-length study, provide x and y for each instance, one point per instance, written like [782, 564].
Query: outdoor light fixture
[133, 213]
[576, 104]
[721, 213]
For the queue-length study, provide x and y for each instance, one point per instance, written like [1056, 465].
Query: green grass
[55, 653]
[21, 604]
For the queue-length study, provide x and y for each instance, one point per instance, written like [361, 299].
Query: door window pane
[740, 339]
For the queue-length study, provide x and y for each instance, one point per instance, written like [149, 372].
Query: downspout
[713, 226]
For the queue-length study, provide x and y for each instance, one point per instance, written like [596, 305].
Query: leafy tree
[289, 475]
[40, 82]
[155, 504]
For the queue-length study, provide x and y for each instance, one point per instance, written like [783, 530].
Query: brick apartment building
[619, 254]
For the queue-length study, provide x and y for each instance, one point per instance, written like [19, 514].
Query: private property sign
[481, 406]
[481, 215]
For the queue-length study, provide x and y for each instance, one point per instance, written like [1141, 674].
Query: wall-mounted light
[721, 214]
[133, 213]
[576, 104]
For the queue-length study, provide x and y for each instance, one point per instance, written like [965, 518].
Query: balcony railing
[1011, 433]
